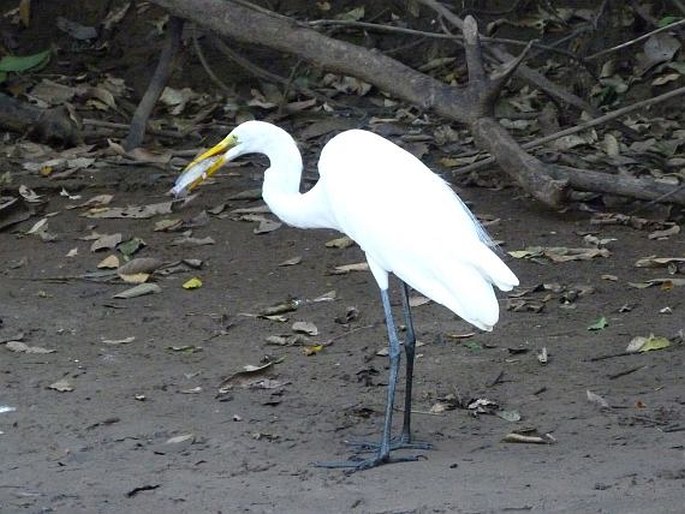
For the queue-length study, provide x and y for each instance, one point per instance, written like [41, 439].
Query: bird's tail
[465, 286]
[493, 269]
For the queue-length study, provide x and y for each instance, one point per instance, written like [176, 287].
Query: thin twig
[88, 122]
[379, 27]
[349, 332]
[208, 69]
[260, 72]
[255, 70]
[636, 40]
[679, 5]
[625, 372]
[610, 356]
[578, 128]
[658, 199]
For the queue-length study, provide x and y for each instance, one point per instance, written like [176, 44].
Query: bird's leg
[410, 353]
[394, 356]
[404, 440]
[383, 452]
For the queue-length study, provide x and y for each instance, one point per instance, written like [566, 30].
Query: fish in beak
[203, 167]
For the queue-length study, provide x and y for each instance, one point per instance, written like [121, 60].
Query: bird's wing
[410, 222]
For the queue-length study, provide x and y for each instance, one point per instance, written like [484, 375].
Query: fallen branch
[526, 73]
[156, 86]
[52, 125]
[579, 128]
[469, 105]
[622, 185]
[587, 180]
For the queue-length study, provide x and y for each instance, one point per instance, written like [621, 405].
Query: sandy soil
[107, 445]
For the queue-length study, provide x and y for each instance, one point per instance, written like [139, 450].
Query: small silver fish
[194, 173]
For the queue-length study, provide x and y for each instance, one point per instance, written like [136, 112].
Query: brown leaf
[347, 268]
[62, 386]
[140, 265]
[19, 347]
[135, 212]
[106, 242]
[109, 262]
[663, 234]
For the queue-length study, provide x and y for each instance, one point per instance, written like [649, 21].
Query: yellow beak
[203, 166]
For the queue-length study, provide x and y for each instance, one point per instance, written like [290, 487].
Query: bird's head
[248, 137]
[245, 138]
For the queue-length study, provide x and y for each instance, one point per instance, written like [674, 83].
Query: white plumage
[407, 220]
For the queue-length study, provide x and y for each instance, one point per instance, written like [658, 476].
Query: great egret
[406, 219]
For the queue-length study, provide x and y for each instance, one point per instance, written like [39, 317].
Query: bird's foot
[401, 442]
[359, 464]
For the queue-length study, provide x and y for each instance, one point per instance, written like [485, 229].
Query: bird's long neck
[281, 187]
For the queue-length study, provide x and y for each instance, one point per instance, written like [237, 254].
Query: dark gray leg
[405, 440]
[410, 353]
[383, 452]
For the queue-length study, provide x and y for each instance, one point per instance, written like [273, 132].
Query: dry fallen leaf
[347, 268]
[38, 226]
[62, 386]
[193, 283]
[29, 195]
[417, 300]
[95, 201]
[180, 439]
[560, 254]
[109, 262]
[140, 265]
[328, 296]
[340, 242]
[133, 212]
[139, 290]
[666, 283]
[106, 242]
[528, 438]
[168, 225]
[292, 261]
[646, 344]
[249, 375]
[125, 340]
[19, 347]
[312, 349]
[267, 225]
[305, 327]
[134, 278]
[597, 399]
[655, 262]
[192, 241]
[663, 234]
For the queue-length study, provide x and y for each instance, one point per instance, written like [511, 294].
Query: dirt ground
[107, 445]
[144, 428]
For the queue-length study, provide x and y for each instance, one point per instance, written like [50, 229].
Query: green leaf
[24, 62]
[655, 343]
[128, 248]
[355, 14]
[193, 283]
[473, 346]
[667, 20]
[509, 415]
[600, 324]
[520, 254]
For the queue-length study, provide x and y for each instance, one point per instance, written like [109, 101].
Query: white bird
[405, 218]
